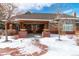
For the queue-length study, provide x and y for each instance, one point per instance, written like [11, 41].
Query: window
[2, 25]
[68, 27]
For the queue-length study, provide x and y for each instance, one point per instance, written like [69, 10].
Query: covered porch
[25, 27]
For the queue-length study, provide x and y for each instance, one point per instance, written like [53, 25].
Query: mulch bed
[16, 52]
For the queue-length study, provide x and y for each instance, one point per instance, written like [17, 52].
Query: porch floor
[31, 35]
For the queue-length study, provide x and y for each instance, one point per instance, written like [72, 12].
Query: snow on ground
[24, 43]
[66, 47]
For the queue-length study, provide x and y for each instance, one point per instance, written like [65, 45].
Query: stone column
[77, 38]
[11, 31]
[46, 33]
[10, 26]
[22, 25]
[22, 33]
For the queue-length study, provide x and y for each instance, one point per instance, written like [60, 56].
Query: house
[37, 22]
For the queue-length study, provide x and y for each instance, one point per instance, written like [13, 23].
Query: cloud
[68, 11]
[23, 7]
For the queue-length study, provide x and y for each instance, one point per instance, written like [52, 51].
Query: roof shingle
[41, 16]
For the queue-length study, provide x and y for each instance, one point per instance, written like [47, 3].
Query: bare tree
[58, 10]
[6, 12]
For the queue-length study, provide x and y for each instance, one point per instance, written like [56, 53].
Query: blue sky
[67, 8]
